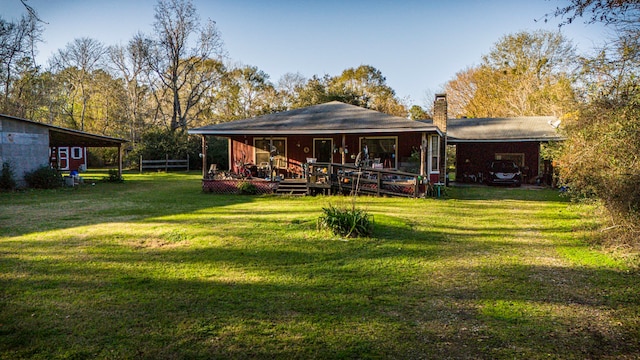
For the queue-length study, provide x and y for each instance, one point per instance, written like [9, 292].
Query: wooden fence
[166, 164]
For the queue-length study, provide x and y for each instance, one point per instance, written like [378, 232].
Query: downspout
[344, 148]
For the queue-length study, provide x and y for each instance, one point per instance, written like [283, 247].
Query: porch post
[229, 154]
[271, 153]
[120, 159]
[204, 156]
[423, 156]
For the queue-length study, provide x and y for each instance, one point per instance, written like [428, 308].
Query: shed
[27, 145]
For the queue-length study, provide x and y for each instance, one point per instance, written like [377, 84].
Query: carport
[27, 145]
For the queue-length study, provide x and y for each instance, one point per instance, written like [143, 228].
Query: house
[27, 145]
[481, 140]
[334, 132]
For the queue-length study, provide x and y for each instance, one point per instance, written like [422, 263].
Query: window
[381, 149]
[279, 153]
[76, 153]
[434, 153]
[517, 158]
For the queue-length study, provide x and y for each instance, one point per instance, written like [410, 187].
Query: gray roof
[59, 136]
[328, 118]
[531, 128]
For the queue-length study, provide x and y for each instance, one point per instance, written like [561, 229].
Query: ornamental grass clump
[346, 222]
[247, 188]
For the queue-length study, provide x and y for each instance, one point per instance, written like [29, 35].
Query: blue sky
[418, 45]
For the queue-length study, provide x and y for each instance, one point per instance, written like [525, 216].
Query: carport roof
[329, 118]
[530, 128]
[59, 136]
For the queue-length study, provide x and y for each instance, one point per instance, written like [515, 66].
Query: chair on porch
[213, 169]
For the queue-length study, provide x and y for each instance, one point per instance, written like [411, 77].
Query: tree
[418, 113]
[620, 13]
[365, 86]
[130, 63]
[599, 158]
[176, 61]
[289, 87]
[312, 93]
[17, 51]
[76, 64]
[525, 74]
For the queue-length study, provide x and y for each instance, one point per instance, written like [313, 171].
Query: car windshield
[504, 166]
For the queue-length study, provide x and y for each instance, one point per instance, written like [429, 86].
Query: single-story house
[333, 132]
[478, 141]
[27, 145]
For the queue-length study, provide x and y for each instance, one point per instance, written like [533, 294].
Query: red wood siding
[296, 145]
[473, 158]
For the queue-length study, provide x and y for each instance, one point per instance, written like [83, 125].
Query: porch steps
[292, 187]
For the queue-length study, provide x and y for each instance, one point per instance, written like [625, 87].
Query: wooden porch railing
[330, 178]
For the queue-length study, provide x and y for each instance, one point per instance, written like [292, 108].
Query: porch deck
[332, 179]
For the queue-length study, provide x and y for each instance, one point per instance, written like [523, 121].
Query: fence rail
[166, 164]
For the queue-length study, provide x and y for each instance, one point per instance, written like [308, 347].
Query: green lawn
[155, 269]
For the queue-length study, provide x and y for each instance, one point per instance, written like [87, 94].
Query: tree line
[153, 88]
[178, 78]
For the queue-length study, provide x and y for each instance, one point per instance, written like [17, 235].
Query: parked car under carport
[504, 172]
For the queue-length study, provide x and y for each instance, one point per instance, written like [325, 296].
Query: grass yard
[155, 269]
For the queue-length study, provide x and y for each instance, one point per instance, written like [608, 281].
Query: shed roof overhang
[323, 119]
[65, 137]
[59, 136]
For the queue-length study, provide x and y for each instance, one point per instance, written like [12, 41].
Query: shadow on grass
[359, 301]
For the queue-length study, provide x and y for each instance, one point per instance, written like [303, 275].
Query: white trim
[73, 152]
[438, 155]
[63, 150]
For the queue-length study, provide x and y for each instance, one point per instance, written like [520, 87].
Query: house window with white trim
[263, 152]
[434, 153]
[381, 150]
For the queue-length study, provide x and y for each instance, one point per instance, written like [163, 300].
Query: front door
[63, 158]
[323, 150]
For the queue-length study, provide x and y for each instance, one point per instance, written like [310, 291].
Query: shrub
[43, 178]
[7, 182]
[347, 222]
[247, 188]
[114, 177]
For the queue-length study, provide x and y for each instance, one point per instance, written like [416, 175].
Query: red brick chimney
[440, 112]
[440, 120]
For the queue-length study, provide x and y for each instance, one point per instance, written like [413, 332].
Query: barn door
[63, 158]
